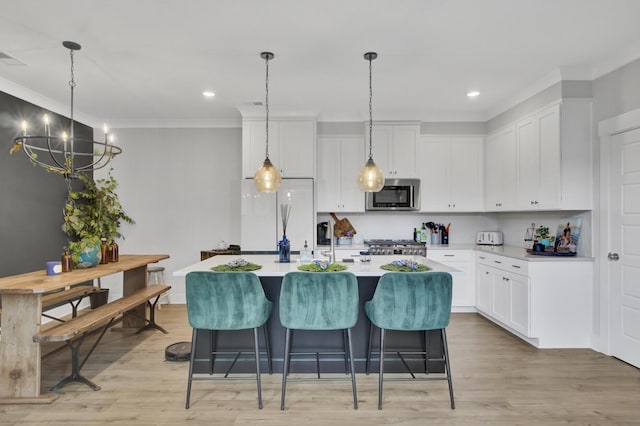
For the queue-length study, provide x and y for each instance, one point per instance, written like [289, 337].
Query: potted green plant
[92, 213]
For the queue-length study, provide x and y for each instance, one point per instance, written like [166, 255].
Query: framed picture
[568, 235]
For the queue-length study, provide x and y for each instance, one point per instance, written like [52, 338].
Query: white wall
[182, 188]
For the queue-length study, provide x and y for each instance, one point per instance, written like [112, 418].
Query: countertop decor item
[267, 178]
[284, 245]
[322, 266]
[66, 154]
[405, 265]
[237, 265]
[371, 177]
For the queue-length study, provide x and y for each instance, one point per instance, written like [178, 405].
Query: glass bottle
[66, 261]
[284, 250]
[104, 251]
[114, 252]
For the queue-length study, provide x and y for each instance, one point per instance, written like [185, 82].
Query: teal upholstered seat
[226, 301]
[319, 301]
[411, 301]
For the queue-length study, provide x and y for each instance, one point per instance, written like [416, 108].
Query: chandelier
[267, 178]
[65, 153]
[371, 177]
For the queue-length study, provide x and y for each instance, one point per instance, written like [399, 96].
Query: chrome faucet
[332, 253]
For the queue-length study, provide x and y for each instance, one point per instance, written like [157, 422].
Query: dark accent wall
[31, 198]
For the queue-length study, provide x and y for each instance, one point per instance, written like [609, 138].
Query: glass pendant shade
[371, 177]
[267, 177]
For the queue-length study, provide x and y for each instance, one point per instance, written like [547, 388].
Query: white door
[624, 234]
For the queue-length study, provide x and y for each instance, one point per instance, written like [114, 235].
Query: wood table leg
[133, 280]
[19, 354]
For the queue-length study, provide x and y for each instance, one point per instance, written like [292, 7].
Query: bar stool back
[411, 301]
[155, 275]
[319, 301]
[226, 301]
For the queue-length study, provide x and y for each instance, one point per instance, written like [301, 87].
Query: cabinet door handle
[449, 255]
[497, 261]
[515, 266]
[482, 257]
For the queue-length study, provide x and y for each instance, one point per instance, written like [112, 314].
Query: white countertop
[521, 253]
[271, 268]
[508, 251]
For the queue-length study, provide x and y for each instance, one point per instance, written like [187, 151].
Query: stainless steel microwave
[396, 194]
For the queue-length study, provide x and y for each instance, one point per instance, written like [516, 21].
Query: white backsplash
[514, 226]
[398, 225]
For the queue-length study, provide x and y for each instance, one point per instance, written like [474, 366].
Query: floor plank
[498, 380]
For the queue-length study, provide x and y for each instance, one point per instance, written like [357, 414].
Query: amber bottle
[114, 254]
[66, 261]
[104, 251]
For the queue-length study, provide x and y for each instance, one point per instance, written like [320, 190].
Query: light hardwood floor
[498, 380]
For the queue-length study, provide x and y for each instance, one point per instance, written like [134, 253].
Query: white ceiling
[147, 61]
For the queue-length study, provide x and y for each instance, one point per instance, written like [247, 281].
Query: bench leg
[75, 369]
[152, 318]
[76, 366]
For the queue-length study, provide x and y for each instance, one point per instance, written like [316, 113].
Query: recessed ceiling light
[473, 94]
[208, 94]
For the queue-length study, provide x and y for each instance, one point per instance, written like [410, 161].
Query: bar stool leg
[353, 371]
[268, 347]
[447, 366]
[257, 353]
[368, 366]
[191, 361]
[381, 372]
[285, 366]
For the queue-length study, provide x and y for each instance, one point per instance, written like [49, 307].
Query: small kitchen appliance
[489, 238]
[323, 234]
[396, 194]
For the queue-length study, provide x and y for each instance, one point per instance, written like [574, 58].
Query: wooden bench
[73, 296]
[102, 317]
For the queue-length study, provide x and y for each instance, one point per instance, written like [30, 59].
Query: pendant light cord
[370, 110]
[266, 102]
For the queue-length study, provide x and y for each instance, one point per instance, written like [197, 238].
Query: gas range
[401, 247]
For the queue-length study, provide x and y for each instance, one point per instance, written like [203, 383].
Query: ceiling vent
[7, 59]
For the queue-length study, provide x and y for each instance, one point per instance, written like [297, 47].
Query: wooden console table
[20, 356]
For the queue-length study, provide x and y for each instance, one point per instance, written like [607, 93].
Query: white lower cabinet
[547, 303]
[464, 292]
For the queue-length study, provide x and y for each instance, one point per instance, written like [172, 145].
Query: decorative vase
[87, 253]
[284, 250]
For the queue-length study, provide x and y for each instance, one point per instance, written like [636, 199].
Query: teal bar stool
[319, 301]
[226, 301]
[411, 301]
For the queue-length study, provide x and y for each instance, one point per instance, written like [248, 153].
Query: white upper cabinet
[500, 170]
[547, 156]
[291, 146]
[339, 161]
[451, 173]
[539, 157]
[394, 148]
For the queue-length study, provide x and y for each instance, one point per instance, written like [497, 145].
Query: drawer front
[509, 264]
[450, 255]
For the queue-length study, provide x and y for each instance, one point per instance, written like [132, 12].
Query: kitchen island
[271, 275]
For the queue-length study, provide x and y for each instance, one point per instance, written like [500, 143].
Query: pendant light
[267, 177]
[371, 177]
